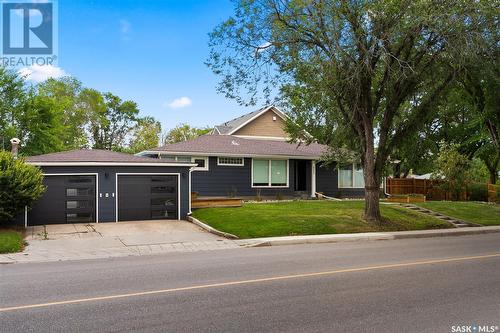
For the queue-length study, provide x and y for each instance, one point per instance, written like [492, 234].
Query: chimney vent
[15, 146]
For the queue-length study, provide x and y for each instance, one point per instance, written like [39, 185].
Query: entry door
[300, 175]
[67, 199]
[147, 197]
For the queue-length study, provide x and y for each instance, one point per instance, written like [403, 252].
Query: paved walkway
[107, 240]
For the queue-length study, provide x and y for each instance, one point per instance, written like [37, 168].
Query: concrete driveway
[103, 240]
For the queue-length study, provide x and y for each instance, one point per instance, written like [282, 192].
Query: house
[251, 155]
[85, 186]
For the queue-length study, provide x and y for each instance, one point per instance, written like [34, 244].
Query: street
[412, 285]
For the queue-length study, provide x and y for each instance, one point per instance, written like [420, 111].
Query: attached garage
[148, 197]
[67, 199]
[93, 186]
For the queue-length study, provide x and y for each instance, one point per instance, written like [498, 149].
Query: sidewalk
[109, 247]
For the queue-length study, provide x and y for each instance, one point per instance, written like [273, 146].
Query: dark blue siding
[107, 184]
[327, 183]
[236, 180]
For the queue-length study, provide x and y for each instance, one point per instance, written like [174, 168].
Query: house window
[269, 173]
[351, 176]
[201, 162]
[230, 161]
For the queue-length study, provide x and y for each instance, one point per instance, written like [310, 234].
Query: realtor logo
[28, 33]
[27, 28]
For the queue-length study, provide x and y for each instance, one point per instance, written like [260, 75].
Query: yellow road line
[242, 282]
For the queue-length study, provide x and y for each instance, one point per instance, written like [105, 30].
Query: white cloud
[179, 103]
[39, 73]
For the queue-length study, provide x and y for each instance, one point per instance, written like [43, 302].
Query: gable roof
[231, 126]
[96, 157]
[230, 145]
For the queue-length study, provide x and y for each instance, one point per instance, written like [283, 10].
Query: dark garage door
[68, 199]
[147, 197]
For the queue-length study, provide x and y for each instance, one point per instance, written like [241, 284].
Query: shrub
[20, 185]
[477, 192]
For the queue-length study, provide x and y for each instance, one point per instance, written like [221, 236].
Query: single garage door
[148, 197]
[67, 199]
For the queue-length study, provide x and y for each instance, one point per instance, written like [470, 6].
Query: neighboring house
[103, 186]
[251, 155]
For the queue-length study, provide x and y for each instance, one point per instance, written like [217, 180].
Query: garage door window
[78, 217]
[73, 204]
[75, 192]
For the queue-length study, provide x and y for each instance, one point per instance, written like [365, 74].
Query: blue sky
[149, 51]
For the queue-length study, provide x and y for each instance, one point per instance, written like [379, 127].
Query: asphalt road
[414, 285]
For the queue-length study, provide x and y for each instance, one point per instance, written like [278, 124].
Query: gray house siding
[327, 183]
[106, 176]
[236, 181]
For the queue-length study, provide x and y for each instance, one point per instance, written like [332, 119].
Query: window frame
[269, 161]
[176, 159]
[229, 164]
[353, 166]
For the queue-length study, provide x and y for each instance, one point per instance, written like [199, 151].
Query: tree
[66, 93]
[145, 135]
[12, 99]
[184, 132]
[362, 74]
[454, 169]
[20, 185]
[41, 126]
[111, 119]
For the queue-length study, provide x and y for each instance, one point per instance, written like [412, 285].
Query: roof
[232, 125]
[216, 145]
[96, 157]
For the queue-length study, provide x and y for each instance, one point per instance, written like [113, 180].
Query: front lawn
[310, 218]
[475, 212]
[10, 241]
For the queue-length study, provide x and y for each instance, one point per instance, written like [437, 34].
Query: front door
[300, 175]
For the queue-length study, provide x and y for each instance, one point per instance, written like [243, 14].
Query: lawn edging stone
[210, 229]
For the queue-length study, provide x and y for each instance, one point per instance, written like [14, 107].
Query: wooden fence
[493, 193]
[430, 188]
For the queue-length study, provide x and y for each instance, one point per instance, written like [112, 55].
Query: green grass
[10, 241]
[475, 212]
[310, 218]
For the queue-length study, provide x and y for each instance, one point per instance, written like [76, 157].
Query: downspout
[313, 179]
[189, 189]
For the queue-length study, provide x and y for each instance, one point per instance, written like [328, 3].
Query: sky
[149, 51]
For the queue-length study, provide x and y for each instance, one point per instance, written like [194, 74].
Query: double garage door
[72, 199]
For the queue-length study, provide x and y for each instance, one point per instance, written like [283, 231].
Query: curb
[370, 236]
[210, 229]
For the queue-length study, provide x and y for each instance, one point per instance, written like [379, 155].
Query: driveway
[103, 240]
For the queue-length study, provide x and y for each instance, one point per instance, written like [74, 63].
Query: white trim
[271, 107]
[205, 168]
[145, 174]
[190, 211]
[96, 187]
[270, 174]
[160, 164]
[258, 137]
[313, 179]
[278, 157]
[229, 164]
[352, 187]
[217, 129]
[25, 216]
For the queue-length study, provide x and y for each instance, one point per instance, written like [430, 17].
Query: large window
[269, 173]
[351, 176]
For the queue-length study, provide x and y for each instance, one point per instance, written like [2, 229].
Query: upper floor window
[230, 161]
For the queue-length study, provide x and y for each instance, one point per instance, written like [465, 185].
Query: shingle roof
[90, 155]
[228, 126]
[229, 144]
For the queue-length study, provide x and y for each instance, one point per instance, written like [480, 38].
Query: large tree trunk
[372, 183]
[493, 176]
